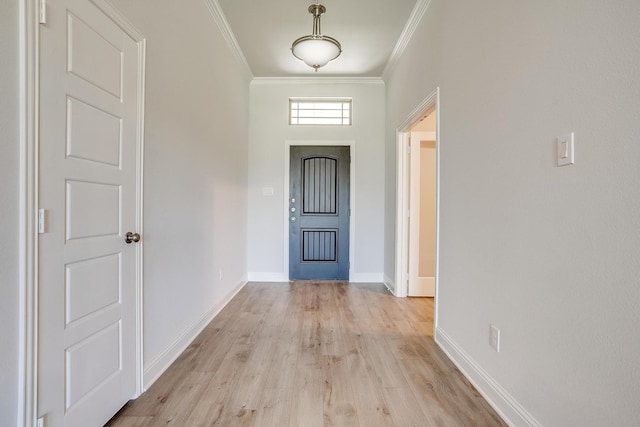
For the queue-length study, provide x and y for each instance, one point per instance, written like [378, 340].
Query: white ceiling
[368, 31]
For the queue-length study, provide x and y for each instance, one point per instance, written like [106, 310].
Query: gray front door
[319, 213]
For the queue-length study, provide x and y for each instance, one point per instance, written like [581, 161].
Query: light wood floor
[313, 354]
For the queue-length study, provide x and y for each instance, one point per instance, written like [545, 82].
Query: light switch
[267, 191]
[565, 150]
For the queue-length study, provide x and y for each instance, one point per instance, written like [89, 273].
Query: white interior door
[89, 139]
[422, 218]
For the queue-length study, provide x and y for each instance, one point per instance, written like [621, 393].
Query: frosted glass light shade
[316, 51]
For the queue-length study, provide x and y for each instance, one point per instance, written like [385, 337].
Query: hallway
[313, 354]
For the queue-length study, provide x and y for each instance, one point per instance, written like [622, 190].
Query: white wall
[549, 255]
[9, 187]
[196, 136]
[268, 132]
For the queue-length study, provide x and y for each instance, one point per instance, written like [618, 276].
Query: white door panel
[102, 142]
[92, 361]
[93, 210]
[89, 123]
[89, 46]
[91, 285]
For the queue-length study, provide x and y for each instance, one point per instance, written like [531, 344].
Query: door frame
[29, 104]
[429, 104]
[352, 186]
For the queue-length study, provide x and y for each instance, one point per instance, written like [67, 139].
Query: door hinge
[408, 213]
[43, 11]
[408, 149]
[42, 221]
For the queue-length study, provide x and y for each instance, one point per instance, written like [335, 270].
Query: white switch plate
[267, 191]
[565, 150]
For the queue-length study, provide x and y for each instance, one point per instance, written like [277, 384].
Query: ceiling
[368, 31]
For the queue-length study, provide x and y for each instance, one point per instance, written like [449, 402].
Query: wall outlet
[494, 338]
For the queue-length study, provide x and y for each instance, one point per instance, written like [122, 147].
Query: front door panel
[319, 213]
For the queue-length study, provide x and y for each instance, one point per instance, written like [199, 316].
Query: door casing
[29, 17]
[285, 209]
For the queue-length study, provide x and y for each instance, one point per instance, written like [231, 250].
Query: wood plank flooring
[313, 354]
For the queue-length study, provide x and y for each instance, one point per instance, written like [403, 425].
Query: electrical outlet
[494, 338]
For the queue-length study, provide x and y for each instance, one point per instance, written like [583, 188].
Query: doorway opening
[418, 194]
[422, 208]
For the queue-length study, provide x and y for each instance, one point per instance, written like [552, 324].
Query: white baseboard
[282, 277]
[365, 277]
[390, 284]
[257, 276]
[511, 411]
[160, 363]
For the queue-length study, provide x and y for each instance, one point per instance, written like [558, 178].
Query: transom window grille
[309, 111]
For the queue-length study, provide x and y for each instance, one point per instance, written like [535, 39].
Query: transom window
[320, 111]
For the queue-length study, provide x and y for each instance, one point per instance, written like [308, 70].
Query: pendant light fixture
[316, 50]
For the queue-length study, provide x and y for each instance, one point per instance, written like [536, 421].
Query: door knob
[293, 219]
[131, 238]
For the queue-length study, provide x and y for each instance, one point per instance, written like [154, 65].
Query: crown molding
[318, 80]
[407, 33]
[227, 34]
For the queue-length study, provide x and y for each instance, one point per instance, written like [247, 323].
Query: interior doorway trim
[29, 105]
[429, 104]
[28, 191]
[352, 197]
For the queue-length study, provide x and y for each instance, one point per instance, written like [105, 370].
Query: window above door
[320, 111]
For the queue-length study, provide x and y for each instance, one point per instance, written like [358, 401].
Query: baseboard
[267, 277]
[365, 277]
[160, 363]
[512, 412]
[282, 277]
[390, 284]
